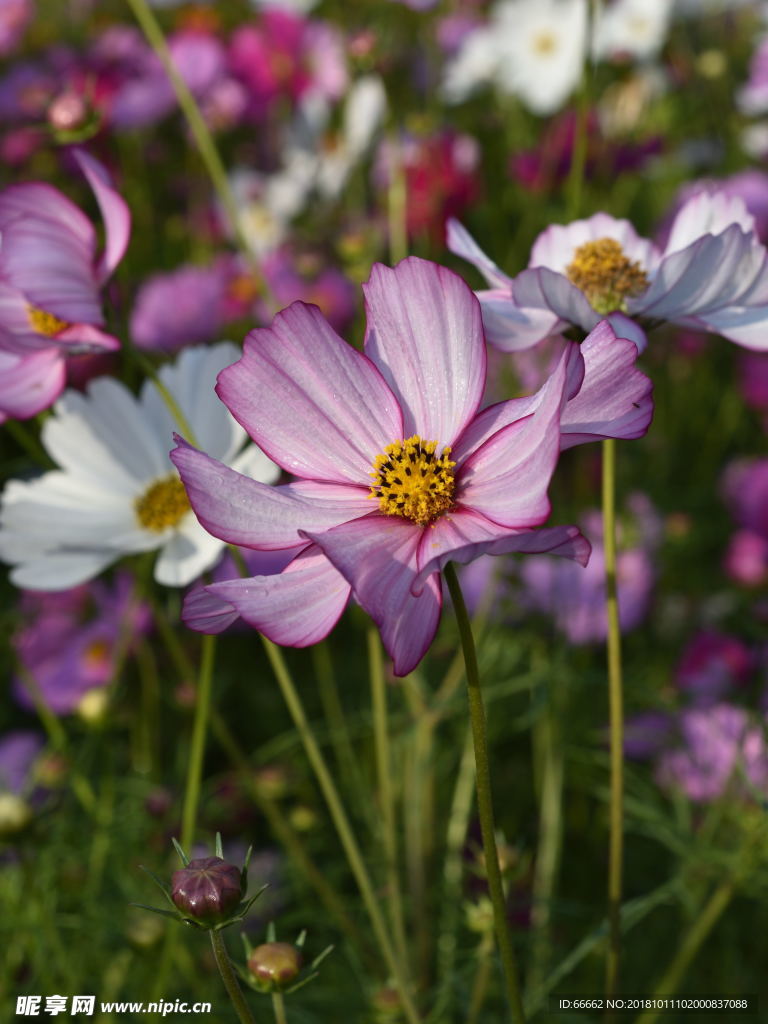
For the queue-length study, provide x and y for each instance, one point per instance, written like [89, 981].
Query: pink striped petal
[425, 334]
[239, 510]
[502, 414]
[316, 406]
[615, 399]
[463, 539]
[294, 608]
[207, 613]
[114, 212]
[506, 478]
[378, 556]
[30, 383]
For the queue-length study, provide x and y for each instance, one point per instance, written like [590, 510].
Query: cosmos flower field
[384, 510]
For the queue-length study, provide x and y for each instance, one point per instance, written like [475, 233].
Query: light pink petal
[425, 334]
[502, 414]
[378, 556]
[747, 327]
[463, 541]
[206, 613]
[38, 200]
[294, 608]
[541, 288]
[30, 383]
[50, 264]
[84, 338]
[460, 242]
[627, 328]
[239, 510]
[712, 272]
[316, 406]
[114, 211]
[512, 328]
[728, 269]
[707, 213]
[555, 247]
[506, 479]
[615, 399]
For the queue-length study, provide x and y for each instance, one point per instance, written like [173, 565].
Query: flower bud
[275, 964]
[207, 890]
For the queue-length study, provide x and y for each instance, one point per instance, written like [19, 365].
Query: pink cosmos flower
[50, 277]
[722, 750]
[398, 470]
[712, 275]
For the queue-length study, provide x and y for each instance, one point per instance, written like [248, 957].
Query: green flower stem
[340, 820]
[338, 730]
[616, 722]
[453, 872]
[229, 978]
[548, 744]
[485, 798]
[691, 944]
[278, 1006]
[199, 129]
[287, 836]
[386, 794]
[482, 979]
[197, 748]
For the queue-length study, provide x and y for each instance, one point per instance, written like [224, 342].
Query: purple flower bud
[207, 890]
[275, 964]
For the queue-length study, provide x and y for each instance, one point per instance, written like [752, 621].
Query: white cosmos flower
[533, 49]
[116, 492]
[633, 28]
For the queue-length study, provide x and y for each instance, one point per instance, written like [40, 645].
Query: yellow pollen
[411, 481]
[163, 504]
[45, 323]
[606, 275]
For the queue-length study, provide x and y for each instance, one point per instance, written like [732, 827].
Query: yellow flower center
[411, 481]
[44, 322]
[544, 43]
[606, 275]
[163, 504]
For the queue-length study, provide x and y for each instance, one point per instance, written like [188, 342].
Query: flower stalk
[485, 797]
[228, 976]
[616, 721]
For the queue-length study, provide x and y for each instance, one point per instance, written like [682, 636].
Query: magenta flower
[185, 306]
[711, 276]
[398, 470]
[722, 750]
[50, 276]
[50, 272]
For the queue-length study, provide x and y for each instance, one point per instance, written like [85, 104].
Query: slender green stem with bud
[343, 828]
[278, 1006]
[197, 747]
[485, 798]
[228, 976]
